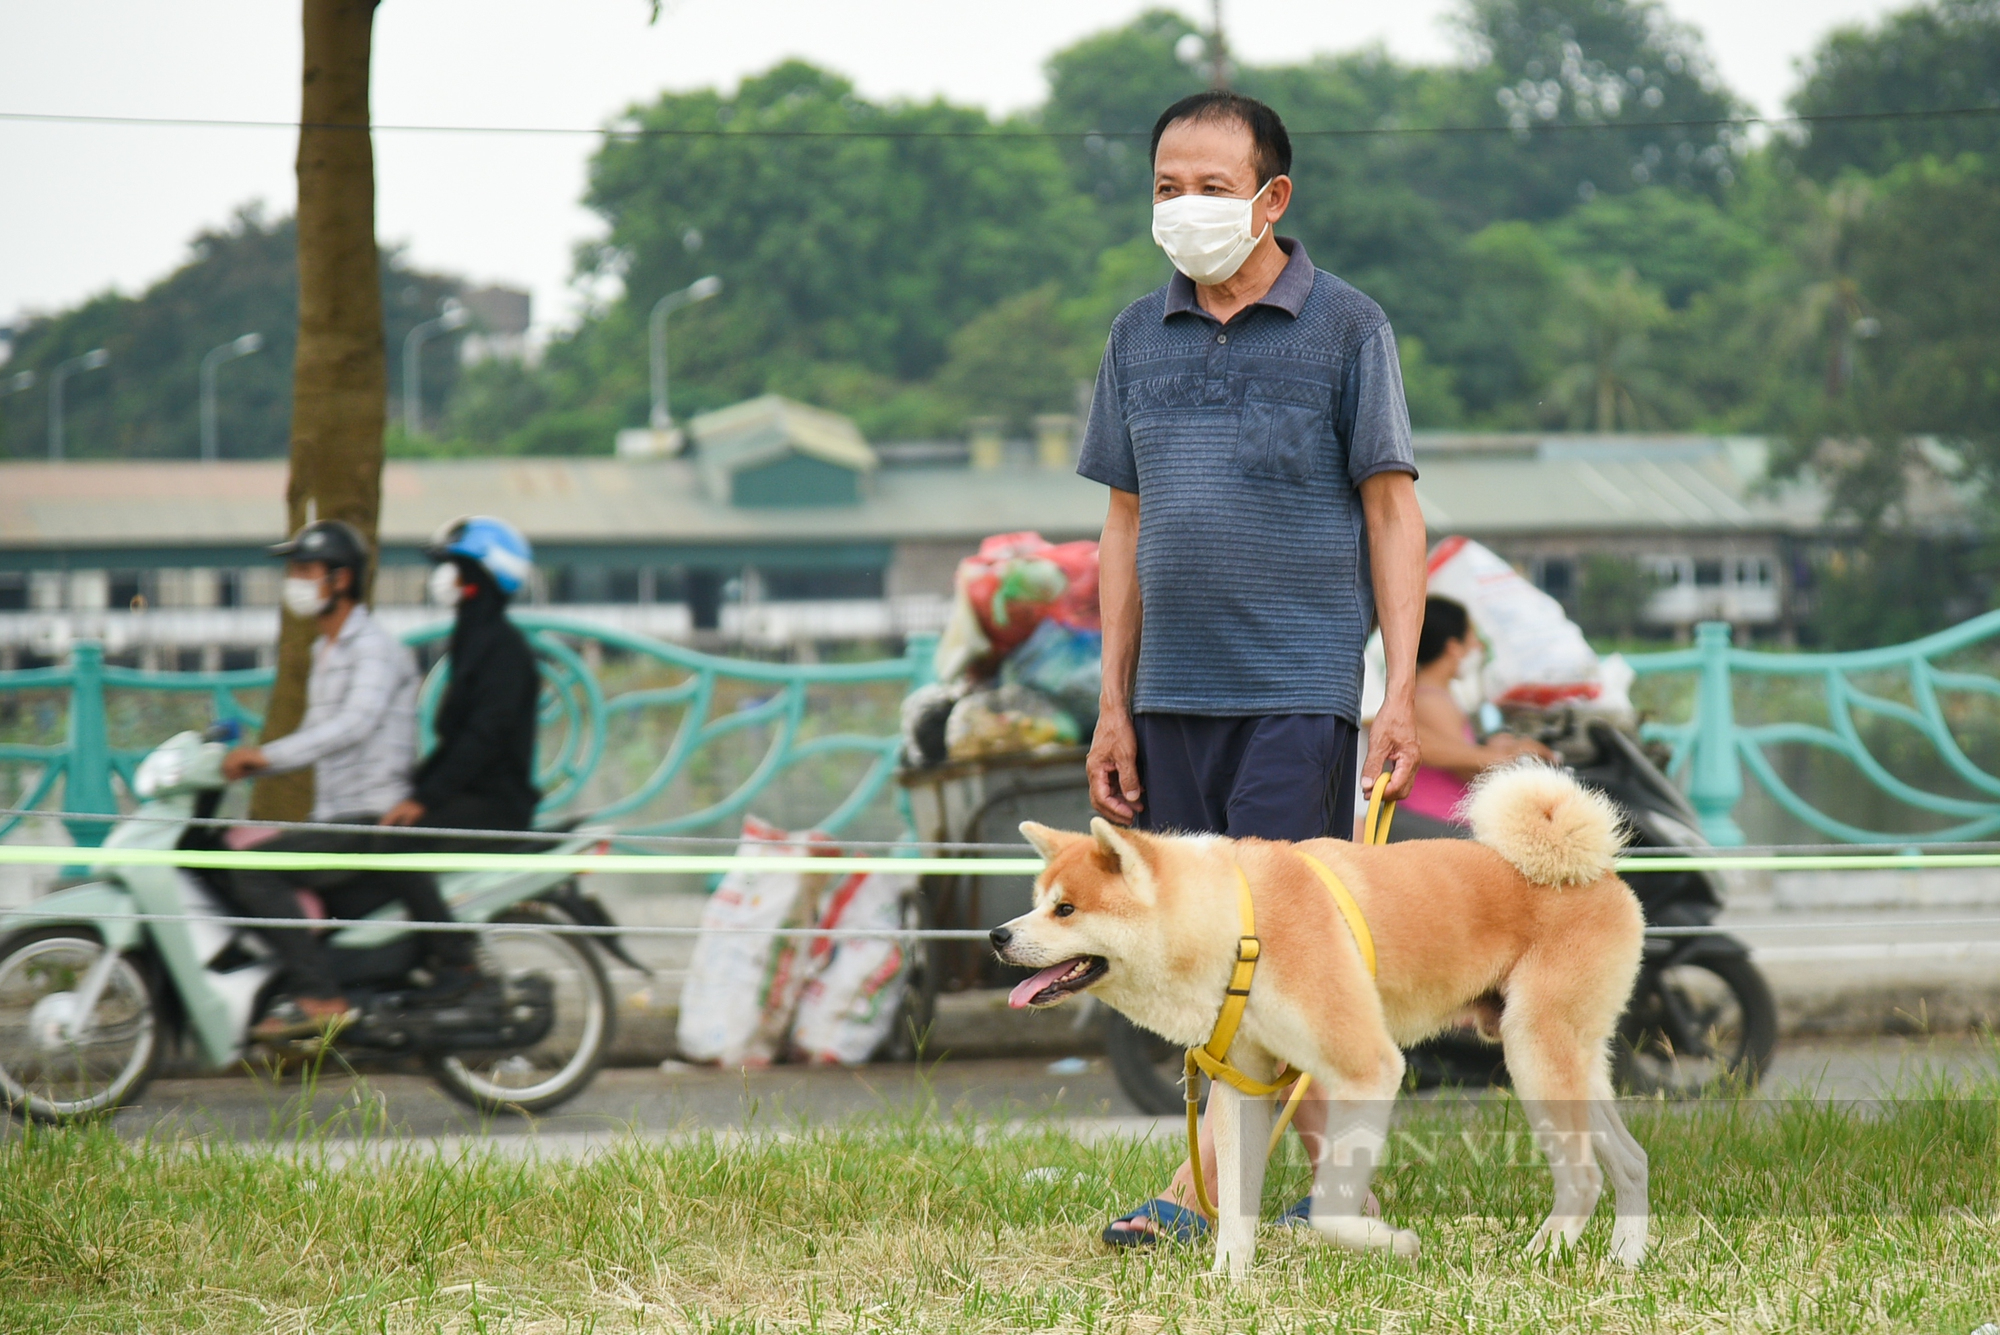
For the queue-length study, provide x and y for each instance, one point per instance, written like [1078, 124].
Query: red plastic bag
[1017, 581]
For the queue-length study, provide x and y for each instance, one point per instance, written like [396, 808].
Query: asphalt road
[650, 1101]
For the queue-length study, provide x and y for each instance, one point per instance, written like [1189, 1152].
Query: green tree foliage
[146, 404]
[1621, 68]
[1605, 333]
[1617, 273]
[1611, 594]
[1109, 89]
[865, 251]
[1940, 56]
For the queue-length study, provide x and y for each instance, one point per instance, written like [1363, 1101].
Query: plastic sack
[1065, 664]
[856, 986]
[925, 714]
[1535, 655]
[1007, 721]
[743, 987]
[1008, 588]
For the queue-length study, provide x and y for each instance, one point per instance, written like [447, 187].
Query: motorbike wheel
[1148, 1067]
[1707, 1022]
[44, 1075]
[565, 1060]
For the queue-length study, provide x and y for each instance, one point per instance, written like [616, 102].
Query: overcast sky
[92, 207]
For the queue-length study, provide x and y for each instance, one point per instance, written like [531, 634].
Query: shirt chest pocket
[1281, 432]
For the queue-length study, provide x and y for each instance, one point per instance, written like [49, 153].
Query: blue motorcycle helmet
[495, 544]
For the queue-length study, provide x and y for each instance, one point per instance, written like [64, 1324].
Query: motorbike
[90, 1002]
[1701, 1014]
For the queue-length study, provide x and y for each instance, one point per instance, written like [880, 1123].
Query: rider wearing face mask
[481, 773]
[359, 737]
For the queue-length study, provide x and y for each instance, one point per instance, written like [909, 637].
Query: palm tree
[1606, 337]
[1828, 304]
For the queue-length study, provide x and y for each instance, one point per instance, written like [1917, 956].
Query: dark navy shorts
[1270, 776]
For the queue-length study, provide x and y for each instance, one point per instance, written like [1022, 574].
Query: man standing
[1249, 420]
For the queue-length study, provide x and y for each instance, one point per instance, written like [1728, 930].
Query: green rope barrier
[658, 864]
[665, 864]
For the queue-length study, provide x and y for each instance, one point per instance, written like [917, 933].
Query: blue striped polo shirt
[1247, 444]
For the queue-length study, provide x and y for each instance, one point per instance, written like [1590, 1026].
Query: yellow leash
[1212, 1058]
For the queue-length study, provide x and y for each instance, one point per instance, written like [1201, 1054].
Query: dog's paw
[1628, 1241]
[1556, 1238]
[1362, 1234]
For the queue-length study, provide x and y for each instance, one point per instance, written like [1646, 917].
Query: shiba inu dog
[1525, 928]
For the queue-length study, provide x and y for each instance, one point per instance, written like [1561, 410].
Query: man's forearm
[1118, 599]
[1396, 552]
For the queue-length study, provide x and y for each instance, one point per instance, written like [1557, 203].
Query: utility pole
[701, 289]
[454, 316]
[211, 436]
[1218, 48]
[58, 379]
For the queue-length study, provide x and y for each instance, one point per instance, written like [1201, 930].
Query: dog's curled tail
[1555, 831]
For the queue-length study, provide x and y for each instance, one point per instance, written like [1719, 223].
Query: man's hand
[244, 761]
[1393, 749]
[1113, 768]
[406, 812]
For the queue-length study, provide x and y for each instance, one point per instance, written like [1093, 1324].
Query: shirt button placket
[1216, 387]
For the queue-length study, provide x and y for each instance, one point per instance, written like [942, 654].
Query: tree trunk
[340, 382]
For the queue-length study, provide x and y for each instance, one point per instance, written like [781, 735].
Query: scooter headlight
[157, 773]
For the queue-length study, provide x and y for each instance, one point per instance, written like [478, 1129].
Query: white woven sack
[854, 994]
[742, 987]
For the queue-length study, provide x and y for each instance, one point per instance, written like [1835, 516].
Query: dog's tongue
[1024, 992]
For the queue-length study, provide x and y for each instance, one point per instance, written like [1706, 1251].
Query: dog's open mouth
[1058, 981]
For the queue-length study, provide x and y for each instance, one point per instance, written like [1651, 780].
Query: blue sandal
[1171, 1222]
[1299, 1216]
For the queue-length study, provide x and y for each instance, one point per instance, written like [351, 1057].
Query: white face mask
[1207, 236]
[303, 598]
[443, 585]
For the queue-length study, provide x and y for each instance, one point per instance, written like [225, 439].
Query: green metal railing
[1711, 750]
[579, 719]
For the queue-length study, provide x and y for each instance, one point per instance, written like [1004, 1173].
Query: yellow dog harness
[1212, 1058]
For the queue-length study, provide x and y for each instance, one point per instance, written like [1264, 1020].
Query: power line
[723, 131]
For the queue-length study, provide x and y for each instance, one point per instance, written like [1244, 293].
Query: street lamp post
[89, 361]
[211, 445]
[701, 289]
[453, 316]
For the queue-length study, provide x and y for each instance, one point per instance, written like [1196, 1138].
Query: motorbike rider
[359, 737]
[480, 775]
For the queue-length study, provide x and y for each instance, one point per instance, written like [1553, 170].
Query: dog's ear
[1125, 851]
[1047, 842]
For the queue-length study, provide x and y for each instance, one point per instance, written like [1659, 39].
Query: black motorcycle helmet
[334, 542]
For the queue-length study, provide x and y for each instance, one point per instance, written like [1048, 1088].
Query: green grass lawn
[1770, 1216]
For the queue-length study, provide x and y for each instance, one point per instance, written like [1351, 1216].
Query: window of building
[1708, 574]
[811, 585]
[623, 586]
[127, 590]
[1556, 576]
[13, 592]
[229, 588]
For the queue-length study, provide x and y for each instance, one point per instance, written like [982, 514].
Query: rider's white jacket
[359, 732]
